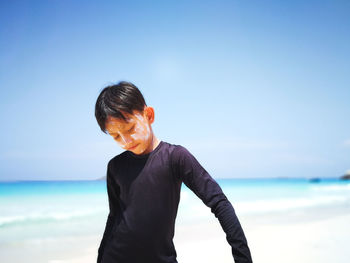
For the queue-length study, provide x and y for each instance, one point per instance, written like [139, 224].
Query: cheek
[142, 132]
[121, 143]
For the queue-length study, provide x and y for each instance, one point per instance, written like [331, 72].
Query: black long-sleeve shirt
[144, 193]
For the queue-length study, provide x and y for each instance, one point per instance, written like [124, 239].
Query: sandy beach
[272, 239]
[318, 240]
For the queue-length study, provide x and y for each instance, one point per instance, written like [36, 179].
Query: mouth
[133, 147]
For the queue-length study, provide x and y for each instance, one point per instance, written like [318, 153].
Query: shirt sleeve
[114, 211]
[207, 189]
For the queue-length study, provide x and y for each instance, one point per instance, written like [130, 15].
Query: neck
[155, 142]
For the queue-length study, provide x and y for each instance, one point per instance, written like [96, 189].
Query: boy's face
[135, 134]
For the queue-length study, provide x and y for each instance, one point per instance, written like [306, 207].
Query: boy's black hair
[114, 99]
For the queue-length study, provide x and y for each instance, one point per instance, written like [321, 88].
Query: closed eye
[117, 136]
[131, 128]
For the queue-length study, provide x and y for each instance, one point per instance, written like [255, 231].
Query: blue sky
[251, 88]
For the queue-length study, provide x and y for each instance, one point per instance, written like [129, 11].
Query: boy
[144, 182]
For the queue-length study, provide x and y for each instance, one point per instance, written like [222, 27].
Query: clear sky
[251, 88]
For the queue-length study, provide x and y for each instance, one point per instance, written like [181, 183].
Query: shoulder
[180, 154]
[174, 149]
[179, 151]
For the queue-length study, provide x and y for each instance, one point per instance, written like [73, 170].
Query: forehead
[113, 124]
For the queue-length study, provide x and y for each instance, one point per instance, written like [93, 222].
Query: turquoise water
[37, 210]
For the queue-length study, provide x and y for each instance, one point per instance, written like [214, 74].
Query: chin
[140, 151]
[137, 150]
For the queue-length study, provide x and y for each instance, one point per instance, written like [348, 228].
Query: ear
[149, 114]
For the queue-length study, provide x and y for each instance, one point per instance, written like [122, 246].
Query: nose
[125, 140]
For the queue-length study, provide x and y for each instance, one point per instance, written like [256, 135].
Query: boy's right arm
[113, 197]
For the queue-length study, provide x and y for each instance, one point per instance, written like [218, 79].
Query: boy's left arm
[196, 178]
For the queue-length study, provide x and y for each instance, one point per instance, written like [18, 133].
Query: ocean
[34, 213]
